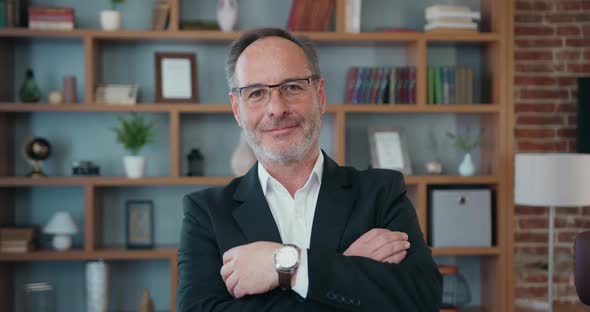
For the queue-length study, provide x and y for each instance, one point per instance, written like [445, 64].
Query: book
[352, 10]
[441, 15]
[160, 15]
[445, 25]
[437, 8]
[3, 14]
[430, 85]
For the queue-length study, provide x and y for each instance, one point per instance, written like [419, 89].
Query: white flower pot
[134, 166]
[110, 20]
[227, 14]
[467, 168]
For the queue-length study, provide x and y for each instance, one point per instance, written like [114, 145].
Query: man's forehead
[271, 60]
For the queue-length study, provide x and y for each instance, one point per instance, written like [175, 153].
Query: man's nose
[277, 106]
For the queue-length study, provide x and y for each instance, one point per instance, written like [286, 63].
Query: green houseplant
[111, 19]
[466, 143]
[134, 133]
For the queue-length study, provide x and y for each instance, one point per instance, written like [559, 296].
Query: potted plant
[134, 133]
[466, 143]
[111, 19]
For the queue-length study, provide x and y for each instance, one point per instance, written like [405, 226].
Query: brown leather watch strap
[284, 280]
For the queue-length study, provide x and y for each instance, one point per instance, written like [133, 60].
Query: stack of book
[310, 15]
[160, 15]
[449, 85]
[51, 18]
[451, 17]
[381, 85]
[16, 240]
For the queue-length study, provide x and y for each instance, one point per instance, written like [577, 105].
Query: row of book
[16, 240]
[12, 13]
[51, 18]
[449, 85]
[310, 15]
[451, 17]
[381, 85]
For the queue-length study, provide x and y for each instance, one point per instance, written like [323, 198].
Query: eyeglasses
[290, 90]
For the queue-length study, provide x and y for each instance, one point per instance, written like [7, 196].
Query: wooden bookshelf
[496, 114]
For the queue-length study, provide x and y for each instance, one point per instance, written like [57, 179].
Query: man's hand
[381, 245]
[249, 269]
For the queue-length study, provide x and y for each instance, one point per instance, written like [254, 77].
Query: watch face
[287, 257]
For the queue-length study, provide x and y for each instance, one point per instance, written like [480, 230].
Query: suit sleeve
[201, 287]
[362, 284]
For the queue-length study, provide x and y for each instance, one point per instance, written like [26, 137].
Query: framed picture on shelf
[176, 77]
[116, 94]
[389, 149]
[139, 232]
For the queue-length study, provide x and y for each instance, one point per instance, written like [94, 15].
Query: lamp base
[62, 242]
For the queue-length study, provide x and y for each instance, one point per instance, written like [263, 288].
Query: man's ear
[234, 107]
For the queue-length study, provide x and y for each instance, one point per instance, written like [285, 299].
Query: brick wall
[551, 49]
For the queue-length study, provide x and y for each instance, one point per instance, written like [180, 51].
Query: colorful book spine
[3, 14]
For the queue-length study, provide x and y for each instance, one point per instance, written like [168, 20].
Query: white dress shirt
[294, 216]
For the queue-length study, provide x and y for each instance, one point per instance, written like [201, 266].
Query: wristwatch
[286, 259]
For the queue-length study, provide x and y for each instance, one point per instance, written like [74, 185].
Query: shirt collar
[316, 172]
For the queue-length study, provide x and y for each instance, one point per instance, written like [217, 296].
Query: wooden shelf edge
[111, 181]
[226, 108]
[466, 251]
[105, 254]
[224, 37]
[450, 179]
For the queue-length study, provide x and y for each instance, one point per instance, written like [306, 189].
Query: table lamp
[62, 226]
[552, 180]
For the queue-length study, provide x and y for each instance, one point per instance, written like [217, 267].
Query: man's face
[284, 128]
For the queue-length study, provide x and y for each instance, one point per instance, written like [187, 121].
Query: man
[298, 232]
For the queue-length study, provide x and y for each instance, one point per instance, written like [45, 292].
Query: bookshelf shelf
[455, 251]
[226, 108]
[164, 253]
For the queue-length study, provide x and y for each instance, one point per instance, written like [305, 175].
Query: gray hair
[249, 37]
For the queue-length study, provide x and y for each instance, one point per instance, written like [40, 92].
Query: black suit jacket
[350, 203]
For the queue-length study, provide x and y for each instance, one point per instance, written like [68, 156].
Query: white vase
[97, 286]
[227, 14]
[467, 168]
[110, 20]
[134, 166]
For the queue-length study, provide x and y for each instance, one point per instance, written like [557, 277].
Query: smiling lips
[281, 129]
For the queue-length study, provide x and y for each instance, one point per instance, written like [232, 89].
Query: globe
[38, 149]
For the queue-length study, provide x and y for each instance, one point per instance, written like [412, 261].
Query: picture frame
[139, 220]
[116, 94]
[389, 149]
[176, 77]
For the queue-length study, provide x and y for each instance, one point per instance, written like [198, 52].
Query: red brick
[534, 81]
[571, 146]
[568, 55]
[523, 6]
[586, 30]
[534, 108]
[521, 30]
[544, 94]
[583, 224]
[586, 211]
[546, 146]
[577, 42]
[532, 223]
[549, 120]
[567, 132]
[557, 18]
[587, 55]
[539, 43]
[568, 30]
[583, 17]
[567, 236]
[534, 133]
[528, 210]
[585, 5]
[533, 55]
[567, 81]
[568, 6]
[572, 120]
[579, 68]
[538, 68]
[531, 292]
[531, 237]
[567, 108]
[528, 18]
[567, 211]
[534, 278]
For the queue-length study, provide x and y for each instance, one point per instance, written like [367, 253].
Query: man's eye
[293, 87]
[256, 94]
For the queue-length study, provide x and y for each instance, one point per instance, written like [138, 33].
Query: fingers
[228, 255]
[371, 234]
[226, 271]
[389, 250]
[397, 258]
[231, 283]
[385, 238]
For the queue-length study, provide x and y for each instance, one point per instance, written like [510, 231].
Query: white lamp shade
[61, 223]
[553, 179]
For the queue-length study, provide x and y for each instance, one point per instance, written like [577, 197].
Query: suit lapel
[253, 215]
[333, 207]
